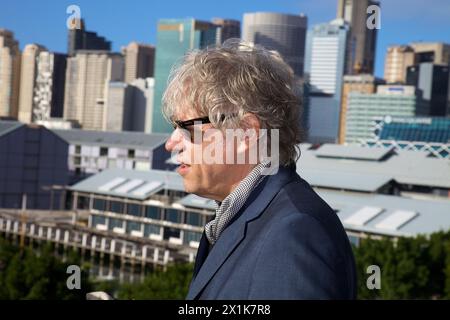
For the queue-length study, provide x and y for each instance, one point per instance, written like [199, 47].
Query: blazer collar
[234, 233]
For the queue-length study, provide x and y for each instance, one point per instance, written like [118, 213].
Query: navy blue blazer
[285, 243]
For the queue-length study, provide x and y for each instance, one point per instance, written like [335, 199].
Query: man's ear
[251, 125]
[250, 121]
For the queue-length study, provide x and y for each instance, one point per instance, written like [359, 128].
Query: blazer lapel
[235, 232]
[202, 253]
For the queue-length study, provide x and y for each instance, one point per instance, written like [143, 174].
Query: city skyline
[356, 121]
[46, 24]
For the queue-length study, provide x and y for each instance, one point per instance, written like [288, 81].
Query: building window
[77, 149]
[103, 151]
[116, 206]
[151, 229]
[173, 216]
[99, 204]
[77, 160]
[133, 226]
[191, 236]
[131, 153]
[152, 212]
[193, 218]
[115, 223]
[96, 220]
[134, 209]
[83, 203]
[171, 233]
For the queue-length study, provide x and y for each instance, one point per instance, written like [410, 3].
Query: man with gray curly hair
[236, 114]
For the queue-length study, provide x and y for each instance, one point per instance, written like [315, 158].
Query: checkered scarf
[234, 202]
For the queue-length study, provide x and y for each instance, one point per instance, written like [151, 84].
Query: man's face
[201, 176]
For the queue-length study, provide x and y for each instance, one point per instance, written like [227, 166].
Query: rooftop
[348, 165]
[8, 126]
[388, 215]
[108, 138]
[132, 184]
[359, 212]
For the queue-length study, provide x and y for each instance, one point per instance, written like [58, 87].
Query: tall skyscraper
[28, 74]
[436, 52]
[282, 32]
[143, 91]
[363, 83]
[324, 68]
[362, 40]
[139, 61]
[118, 107]
[129, 105]
[174, 38]
[9, 74]
[398, 59]
[48, 97]
[226, 29]
[434, 81]
[87, 76]
[80, 39]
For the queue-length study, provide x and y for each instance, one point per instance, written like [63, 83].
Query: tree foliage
[30, 275]
[411, 268]
[170, 284]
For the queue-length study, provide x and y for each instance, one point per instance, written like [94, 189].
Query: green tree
[170, 284]
[411, 268]
[26, 274]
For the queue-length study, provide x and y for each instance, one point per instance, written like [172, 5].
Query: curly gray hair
[238, 78]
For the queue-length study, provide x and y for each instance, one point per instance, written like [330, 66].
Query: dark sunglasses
[190, 122]
[201, 120]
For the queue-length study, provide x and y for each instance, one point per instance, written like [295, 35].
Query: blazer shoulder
[298, 197]
[298, 260]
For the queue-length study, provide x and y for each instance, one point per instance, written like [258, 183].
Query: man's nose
[174, 143]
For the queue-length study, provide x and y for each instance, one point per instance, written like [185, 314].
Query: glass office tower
[175, 37]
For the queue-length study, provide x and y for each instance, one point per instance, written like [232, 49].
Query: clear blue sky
[121, 21]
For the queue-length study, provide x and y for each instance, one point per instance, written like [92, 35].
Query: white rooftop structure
[365, 169]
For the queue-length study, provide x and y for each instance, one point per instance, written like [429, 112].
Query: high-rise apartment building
[226, 29]
[139, 61]
[48, 98]
[434, 82]
[41, 84]
[436, 52]
[129, 105]
[28, 74]
[81, 39]
[400, 58]
[363, 83]
[9, 74]
[324, 69]
[362, 40]
[87, 77]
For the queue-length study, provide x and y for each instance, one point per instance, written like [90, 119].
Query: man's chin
[190, 188]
